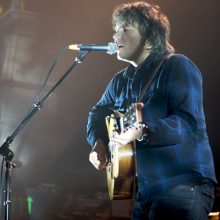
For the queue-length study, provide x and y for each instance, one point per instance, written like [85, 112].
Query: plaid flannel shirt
[177, 149]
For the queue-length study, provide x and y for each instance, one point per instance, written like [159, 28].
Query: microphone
[109, 48]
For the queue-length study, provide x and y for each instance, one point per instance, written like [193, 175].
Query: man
[175, 169]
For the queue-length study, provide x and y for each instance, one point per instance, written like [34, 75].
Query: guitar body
[121, 172]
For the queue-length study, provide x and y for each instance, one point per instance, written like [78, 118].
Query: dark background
[51, 152]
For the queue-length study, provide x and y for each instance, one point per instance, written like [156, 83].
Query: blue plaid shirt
[178, 149]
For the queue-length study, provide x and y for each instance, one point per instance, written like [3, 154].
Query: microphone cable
[37, 97]
[54, 62]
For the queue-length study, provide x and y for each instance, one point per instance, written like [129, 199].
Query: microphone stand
[7, 153]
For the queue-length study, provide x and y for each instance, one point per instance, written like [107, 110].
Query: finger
[115, 134]
[139, 125]
[116, 143]
[119, 139]
[96, 164]
[102, 165]
[113, 143]
[94, 159]
[99, 162]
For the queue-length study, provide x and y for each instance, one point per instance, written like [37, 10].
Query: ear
[147, 45]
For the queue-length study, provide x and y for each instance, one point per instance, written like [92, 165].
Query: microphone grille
[112, 48]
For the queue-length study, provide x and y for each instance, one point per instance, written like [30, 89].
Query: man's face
[132, 46]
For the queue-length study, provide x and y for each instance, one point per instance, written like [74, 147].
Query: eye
[125, 29]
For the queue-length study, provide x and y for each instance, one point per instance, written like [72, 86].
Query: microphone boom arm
[7, 153]
[4, 149]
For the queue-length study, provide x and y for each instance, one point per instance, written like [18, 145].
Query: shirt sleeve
[96, 127]
[185, 115]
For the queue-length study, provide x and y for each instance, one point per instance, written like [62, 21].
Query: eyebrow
[123, 26]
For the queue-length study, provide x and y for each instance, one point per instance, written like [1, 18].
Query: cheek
[135, 44]
[135, 40]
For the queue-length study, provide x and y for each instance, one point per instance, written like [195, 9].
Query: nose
[116, 36]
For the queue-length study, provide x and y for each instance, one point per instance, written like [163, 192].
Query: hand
[99, 155]
[126, 136]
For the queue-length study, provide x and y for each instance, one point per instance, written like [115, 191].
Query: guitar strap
[154, 72]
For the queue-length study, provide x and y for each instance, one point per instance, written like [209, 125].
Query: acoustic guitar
[122, 169]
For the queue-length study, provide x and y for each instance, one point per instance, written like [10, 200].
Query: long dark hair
[152, 23]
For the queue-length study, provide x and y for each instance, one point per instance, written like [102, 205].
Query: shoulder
[180, 60]
[181, 68]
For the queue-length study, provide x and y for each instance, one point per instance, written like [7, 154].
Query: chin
[126, 60]
[121, 57]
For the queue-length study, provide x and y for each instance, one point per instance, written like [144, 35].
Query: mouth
[120, 46]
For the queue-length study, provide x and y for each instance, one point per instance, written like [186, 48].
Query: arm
[184, 97]
[97, 135]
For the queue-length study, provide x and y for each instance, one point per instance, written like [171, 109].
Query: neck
[136, 61]
[139, 61]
